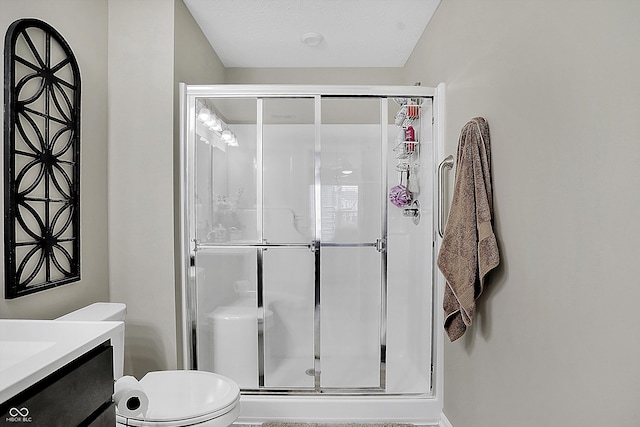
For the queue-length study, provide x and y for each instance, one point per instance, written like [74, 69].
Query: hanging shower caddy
[407, 152]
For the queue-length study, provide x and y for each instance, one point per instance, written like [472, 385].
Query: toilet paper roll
[130, 398]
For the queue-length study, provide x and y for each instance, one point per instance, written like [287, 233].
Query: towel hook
[447, 163]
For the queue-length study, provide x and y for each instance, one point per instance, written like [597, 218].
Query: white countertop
[32, 349]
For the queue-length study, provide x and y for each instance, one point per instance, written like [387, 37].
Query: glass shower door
[287, 282]
[290, 226]
[321, 278]
[225, 238]
[351, 259]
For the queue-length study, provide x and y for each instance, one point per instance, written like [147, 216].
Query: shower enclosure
[302, 281]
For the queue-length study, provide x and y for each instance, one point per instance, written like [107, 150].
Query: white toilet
[176, 398]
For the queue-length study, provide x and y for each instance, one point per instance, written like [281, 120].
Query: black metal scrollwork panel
[42, 159]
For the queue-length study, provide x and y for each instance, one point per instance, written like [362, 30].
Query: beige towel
[469, 249]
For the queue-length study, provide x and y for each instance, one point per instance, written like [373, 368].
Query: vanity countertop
[30, 350]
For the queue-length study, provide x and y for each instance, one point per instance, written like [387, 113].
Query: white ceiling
[268, 33]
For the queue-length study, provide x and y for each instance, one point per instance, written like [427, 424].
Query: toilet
[176, 398]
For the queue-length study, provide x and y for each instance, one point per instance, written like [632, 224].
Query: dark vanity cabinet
[78, 394]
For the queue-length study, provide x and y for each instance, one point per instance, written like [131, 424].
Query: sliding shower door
[320, 279]
[288, 236]
[352, 232]
[287, 284]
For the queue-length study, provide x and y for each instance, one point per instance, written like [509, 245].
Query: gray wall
[328, 76]
[555, 341]
[141, 179]
[150, 43]
[195, 62]
[84, 26]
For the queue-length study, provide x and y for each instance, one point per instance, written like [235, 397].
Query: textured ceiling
[357, 33]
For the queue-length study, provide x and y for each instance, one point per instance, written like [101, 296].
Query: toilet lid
[181, 395]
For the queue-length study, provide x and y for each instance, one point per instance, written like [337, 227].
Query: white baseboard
[444, 421]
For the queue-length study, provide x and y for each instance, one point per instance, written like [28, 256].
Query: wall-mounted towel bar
[447, 163]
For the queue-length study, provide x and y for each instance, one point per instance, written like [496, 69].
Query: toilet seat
[184, 398]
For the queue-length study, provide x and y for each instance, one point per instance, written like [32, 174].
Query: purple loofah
[400, 196]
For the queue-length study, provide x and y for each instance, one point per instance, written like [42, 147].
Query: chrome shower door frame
[189, 244]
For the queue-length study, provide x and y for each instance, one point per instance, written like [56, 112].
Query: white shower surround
[416, 405]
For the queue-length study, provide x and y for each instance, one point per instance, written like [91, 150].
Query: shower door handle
[447, 163]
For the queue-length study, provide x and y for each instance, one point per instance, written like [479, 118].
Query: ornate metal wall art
[41, 159]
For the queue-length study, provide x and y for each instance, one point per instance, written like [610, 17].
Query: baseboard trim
[444, 421]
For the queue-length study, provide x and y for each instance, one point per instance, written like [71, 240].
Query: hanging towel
[469, 249]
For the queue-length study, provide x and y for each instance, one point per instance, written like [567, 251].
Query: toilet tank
[104, 311]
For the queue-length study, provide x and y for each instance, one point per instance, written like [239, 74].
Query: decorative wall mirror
[41, 159]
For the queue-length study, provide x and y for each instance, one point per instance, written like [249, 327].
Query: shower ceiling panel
[356, 33]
